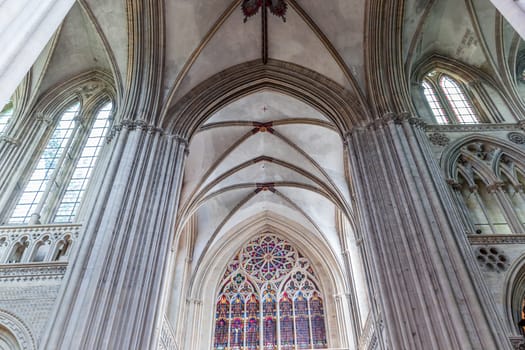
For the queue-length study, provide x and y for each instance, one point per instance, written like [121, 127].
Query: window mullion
[63, 177]
[445, 103]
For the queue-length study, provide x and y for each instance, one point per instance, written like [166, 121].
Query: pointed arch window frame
[443, 104]
[46, 210]
[291, 278]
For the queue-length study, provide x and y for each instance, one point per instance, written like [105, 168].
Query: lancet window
[269, 299]
[56, 184]
[447, 100]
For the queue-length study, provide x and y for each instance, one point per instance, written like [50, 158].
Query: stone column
[415, 242]
[112, 293]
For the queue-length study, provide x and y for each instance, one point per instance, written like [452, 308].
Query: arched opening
[486, 175]
[269, 297]
[62, 249]
[42, 250]
[265, 155]
[17, 251]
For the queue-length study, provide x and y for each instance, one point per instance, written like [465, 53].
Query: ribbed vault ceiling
[298, 159]
[269, 154]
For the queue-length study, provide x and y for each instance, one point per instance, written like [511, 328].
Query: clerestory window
[447, 100]
[5, 115]
[54, 190]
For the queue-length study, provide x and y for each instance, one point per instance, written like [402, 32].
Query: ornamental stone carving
[516, 137]
[21, 332]
[518, 343]
[439, 139]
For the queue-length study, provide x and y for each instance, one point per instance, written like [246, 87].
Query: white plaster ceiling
[299, 158]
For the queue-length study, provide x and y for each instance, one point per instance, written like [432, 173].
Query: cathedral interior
[262, 174]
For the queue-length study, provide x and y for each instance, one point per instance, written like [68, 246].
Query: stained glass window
[269, 299]
[5, 114]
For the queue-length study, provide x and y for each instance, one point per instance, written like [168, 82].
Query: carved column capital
[521, 124]
[454, 184]
[495, 186]
[518, 342]
[10, 140]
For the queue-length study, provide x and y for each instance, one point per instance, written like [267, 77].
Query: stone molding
[471, 127]
[32, 271]
[434, 129]
[22, 333]
[342, 106]
[368, 336]
[132, 124]
[10, 140]
[388, 119]
[496, 239]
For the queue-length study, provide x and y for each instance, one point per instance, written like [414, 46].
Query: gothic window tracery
[448, 100]
[489, 184]
[57, 183]
[269, 299]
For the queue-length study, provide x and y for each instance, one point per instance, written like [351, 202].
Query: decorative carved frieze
[496, 239]
[58, 238]
[32, 271]
[439, 139]
[471, 127]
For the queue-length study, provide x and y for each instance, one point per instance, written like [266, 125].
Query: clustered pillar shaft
[111, 299]
[411, 236]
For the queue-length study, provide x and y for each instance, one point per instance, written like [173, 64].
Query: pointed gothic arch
[343, 107]
[487, 176]
[206, 279]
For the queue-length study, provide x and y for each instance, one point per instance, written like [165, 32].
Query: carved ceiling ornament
[251, 7]
[90, 88]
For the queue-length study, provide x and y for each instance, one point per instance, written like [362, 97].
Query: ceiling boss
[277, 8]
